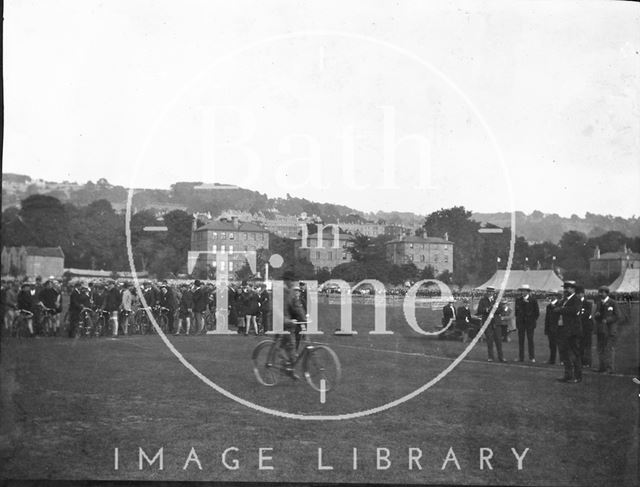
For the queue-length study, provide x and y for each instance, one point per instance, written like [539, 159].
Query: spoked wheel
[266, 360]
[163, 323]
[322, 368]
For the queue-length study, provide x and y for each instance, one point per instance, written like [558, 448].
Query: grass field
[67, 404]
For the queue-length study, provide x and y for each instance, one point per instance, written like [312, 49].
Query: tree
[46, 221]
[463, 232]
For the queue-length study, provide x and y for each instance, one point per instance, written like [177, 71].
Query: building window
[318, 255]
[231, 235]
[410, 246]
[231, 249]
[223, 248]
[344, 256]
[244, 235]
[330, 256]
[223, 235]
[214, 248]
[446, 258]
[214, 235]
[422, 258]
[230, 266]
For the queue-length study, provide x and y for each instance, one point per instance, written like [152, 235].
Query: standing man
[200, 302]
[586, 321]
[448, 313]
[527, 313]
[77, 300]
[168, 300]
[569, 331]
[494, 331]
[112, 302]
[127, 307]
[607, 316]
[551, 319]
[186, 309]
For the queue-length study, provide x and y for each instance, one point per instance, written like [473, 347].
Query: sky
[404, 105]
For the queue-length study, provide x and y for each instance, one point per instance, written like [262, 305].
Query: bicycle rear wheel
[321, 368]
[264, 363]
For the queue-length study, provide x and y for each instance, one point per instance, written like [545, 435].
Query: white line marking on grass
[323, 391]
[474, 361]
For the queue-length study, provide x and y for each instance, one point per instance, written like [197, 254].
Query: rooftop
[420, 240]
[229, 226]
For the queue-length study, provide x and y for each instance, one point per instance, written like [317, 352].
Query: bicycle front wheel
[264, 366]
[321, 368]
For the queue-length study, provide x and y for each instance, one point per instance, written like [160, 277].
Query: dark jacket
[527, 312]
[112, 300]
[448, 313]
[569, 311]
[25, 301]
[551, 319]
[186, 300]
[484, 308]
[586, 317]
[200, 299]
[607, 316]
[77, 301]
[168, 300]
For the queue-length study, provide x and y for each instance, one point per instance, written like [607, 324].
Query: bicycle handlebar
[25, 312]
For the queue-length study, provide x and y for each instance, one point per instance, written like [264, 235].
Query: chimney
[236, 222]
[596, 252]
[446, 235]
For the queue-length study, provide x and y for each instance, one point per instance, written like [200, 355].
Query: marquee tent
[538, 280]
[627, 282]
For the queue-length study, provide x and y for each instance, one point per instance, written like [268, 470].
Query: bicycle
[141, 322]
[85, 326]
[101, 322]
[48, 321]
[161, 315]
[320, 364]
[20, 325]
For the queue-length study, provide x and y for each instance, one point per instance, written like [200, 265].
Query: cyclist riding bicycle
[293, 313]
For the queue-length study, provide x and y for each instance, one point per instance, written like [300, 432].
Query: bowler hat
[569, 284]
[491, 288]
[197, 282]
[604, 288]
[525, 287]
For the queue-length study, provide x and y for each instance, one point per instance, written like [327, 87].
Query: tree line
[92, 236]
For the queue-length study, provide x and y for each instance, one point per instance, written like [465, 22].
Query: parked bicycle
[20, 325]
[48, 321]
[85, 326]
[319, 363]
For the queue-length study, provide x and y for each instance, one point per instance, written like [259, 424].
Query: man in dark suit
[527, 313]
[493, 334]
[569, 333]
[586, 320]
[607, 316]
[448, 313]
[78, 299]
[200, 302]
[551, 327]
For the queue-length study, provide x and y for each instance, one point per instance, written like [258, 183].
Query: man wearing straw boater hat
[569, 333]
[527, 313]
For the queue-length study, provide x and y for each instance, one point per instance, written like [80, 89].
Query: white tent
[538, 280]
[627, 282]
